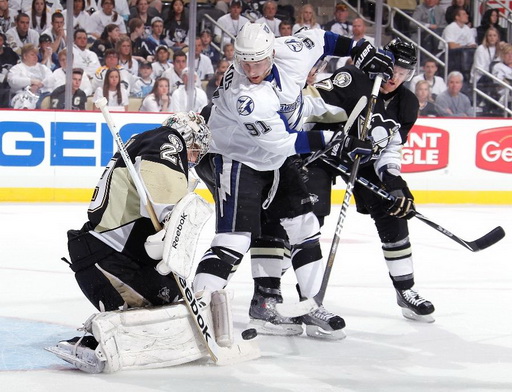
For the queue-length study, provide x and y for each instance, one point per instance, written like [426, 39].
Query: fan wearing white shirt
[159, 99]
[269, 17]
[179, 97]
[83, 57]
[232, 23]
[101, 18]
[113, 90]
[59, 75]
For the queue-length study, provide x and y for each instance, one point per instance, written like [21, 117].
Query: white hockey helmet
[194, 130]
[254, 42]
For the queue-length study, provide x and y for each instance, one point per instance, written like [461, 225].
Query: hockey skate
[322, 324]
[414, 306]
[80, 352]
[265, 318]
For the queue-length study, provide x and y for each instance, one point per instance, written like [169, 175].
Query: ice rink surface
[468, 348]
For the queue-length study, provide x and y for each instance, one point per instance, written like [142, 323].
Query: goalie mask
[254, 51]
[195, 132]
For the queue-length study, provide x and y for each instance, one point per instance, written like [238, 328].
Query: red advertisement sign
[494, 149]
[426, 149]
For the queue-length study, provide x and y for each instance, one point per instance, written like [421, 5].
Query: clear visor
[401, 75]
[253, 69]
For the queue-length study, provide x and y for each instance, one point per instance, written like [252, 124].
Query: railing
[223, 31]
[478, 92]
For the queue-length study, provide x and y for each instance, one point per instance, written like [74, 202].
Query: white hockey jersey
[257, 124]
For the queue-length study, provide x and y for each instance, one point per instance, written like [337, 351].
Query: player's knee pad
[398, 256]
[267, 256]
[301, 228]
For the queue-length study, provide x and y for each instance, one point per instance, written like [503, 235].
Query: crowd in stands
[137, 50]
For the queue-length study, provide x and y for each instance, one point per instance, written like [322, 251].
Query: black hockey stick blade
[481, 243]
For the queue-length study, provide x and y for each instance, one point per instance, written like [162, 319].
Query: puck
[249, 334]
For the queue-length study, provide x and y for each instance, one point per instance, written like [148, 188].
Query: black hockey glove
[403, 205]
[371, 61]
[350, 147]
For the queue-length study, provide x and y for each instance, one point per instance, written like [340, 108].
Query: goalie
[115, 254]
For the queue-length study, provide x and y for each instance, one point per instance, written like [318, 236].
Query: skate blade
[79, 363]
[409, 314]
[319, 333]
[264, 327]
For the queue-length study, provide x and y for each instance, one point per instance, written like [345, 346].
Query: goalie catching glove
[371, 61]
[403, 205]
[351, 147]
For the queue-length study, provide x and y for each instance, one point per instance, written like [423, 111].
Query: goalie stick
[311, 304]
[479, 244]
[242, 351]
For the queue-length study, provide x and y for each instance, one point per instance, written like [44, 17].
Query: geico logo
[494, 149]
[426, 149]
[28, 144]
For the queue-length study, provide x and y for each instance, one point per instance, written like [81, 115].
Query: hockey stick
[219, 355]
[360, 105]
[310, 304]
[479, 244]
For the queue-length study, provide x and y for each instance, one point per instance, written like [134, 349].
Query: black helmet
[404, 52]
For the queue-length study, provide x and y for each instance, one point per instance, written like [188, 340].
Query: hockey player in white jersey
[115, 253]
[256, 123]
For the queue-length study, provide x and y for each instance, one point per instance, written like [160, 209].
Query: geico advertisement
[45, 148]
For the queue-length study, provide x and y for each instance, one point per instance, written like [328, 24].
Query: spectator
[159, 99]
[208, 50]
[427, 106]
[432, 16]
[437, 83]
[57, 32]
[143, 85]
[29, 80]
[173, 74]
[179, 98]
[340, 24]
[451, 102]
[145, 13]
[78, 100]
[491, 18]
[113, 90]
[21, 34]
[39, 16]
[503, 71]
[285, 28]
[222, 5]
[161, 62]
[107, 40]
[306, 18]
[358, 33]
[487, 53]
[136, 27]
[452, 10]
[104, 17]
[7, 17]
[59, 75]
[458, 34]
[176, 25]
[214, 82]
[269, 17]
[126, 60]
[111, 61]
[155, 40]
[46, 55]
[83, 57]
[202, 63]
[8, 58]
[81, 18]
[229, 53]
[231, 22]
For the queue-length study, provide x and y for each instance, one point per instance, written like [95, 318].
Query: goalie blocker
[152, 337]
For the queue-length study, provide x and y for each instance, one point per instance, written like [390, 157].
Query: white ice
[468, 348]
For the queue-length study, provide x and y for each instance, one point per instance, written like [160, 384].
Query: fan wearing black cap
[46, 55]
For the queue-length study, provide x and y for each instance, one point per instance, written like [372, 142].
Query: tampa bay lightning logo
[245, 105]
[294, 44]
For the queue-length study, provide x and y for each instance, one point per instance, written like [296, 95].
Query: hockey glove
[371, 61]
[403, 205]
[351, 147]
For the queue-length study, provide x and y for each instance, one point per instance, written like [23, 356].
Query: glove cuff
[392, 183]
